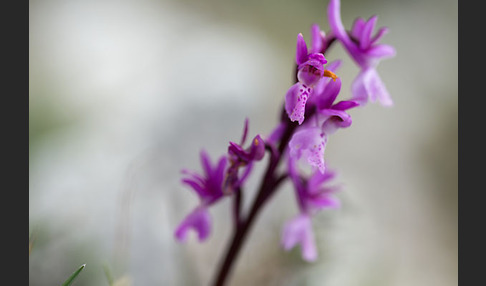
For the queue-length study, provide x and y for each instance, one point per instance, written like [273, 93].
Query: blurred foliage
[71, 278]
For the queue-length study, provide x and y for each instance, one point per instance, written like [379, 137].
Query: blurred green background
[123, 94]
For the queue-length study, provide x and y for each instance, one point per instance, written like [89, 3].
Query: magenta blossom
[242, 158]
[309, 143]
[362, 46]
[310, 140]
[199, 220]
[299, 231]
[310, 71]
[209, 189]
[312, 196]
[311, 193]
[311, 114]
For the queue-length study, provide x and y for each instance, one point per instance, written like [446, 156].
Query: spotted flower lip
[311, 76]
[363, 47]
[309, 143]
[295, 101]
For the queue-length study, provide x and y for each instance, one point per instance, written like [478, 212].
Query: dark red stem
[267, 188]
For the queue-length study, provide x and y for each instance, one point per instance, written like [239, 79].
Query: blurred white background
[125, 94]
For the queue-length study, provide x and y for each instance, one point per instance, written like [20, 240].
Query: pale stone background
[125, 94]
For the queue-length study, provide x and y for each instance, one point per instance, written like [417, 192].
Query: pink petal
[316, 39]
[368, 85]
[365, 39]
[337, 27]
[206, 163]
[358, 89]
[197, 186]
[299, 231]
[321, 85]
[309, 143]
[345, 105]
[335, 119]
[329, 90]
[357, 28]
[325, 201]
[381, 51]
[318, 178]
[336, 24]
[301, 53]
[198, 220]
[381, 32]
[334, 65]
[377, 89]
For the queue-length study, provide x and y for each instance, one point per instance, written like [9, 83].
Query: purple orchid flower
[209, 189]
[312, 196]
[239, 157]
[333, 115]
[310, 141]
[310, 72]
[299, 231]
[312, 102]
[363, 48]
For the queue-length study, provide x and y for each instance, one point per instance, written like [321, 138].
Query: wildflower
[299, 231]
[209, 189]
[239, 157]
[363, 48]
[199, 220]
[310, 144]
[311, 101]
[310, 140]
[310, 71]
[312, 196]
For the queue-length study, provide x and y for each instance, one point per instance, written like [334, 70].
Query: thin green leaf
[108, 274]
[72, 277]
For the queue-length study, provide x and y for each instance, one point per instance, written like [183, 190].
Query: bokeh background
[123, 94]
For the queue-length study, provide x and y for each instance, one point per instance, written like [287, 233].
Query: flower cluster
[218, 181]
[312, 114]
